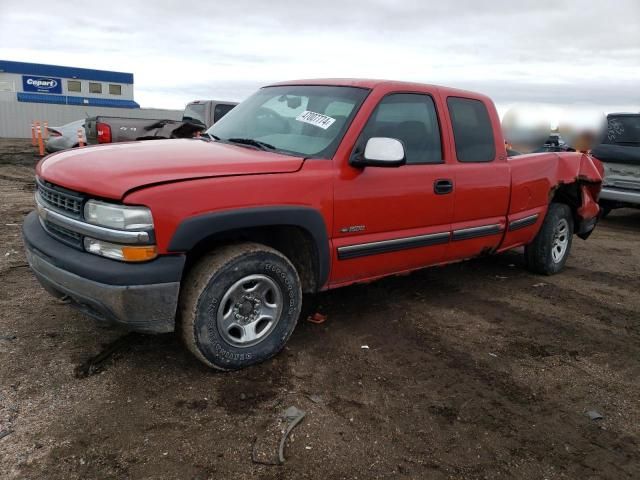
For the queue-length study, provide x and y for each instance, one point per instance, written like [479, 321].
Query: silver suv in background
[206, 112]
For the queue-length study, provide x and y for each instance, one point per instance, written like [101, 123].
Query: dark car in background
[619, 152]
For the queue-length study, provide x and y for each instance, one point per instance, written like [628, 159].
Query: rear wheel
[548, 252]
[239, 305]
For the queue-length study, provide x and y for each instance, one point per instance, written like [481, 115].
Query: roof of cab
[373, 83]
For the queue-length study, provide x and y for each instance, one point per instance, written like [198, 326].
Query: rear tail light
[104, 132]
[54, 133]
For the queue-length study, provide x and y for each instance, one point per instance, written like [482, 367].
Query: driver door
[390, 220]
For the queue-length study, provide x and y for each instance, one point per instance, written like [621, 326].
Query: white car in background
[64, 137]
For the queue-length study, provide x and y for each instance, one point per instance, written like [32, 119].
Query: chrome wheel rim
[249, 310]
[560, 240]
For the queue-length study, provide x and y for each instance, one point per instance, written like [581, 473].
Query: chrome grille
[60, 199]
[63, 234]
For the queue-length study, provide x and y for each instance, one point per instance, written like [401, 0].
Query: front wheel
[239, 305]
[548, 252]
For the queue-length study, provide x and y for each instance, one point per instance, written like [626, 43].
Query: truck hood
[110, 171]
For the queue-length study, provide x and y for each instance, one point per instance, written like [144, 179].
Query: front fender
[193, 230]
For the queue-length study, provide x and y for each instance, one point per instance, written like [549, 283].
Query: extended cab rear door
[481, 175]
[389, 220]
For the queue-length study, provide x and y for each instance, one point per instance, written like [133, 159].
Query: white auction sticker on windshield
[316, 119]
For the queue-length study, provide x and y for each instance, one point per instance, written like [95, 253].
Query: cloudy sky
[553, 52]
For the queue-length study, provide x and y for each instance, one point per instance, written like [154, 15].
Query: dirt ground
[478, 370]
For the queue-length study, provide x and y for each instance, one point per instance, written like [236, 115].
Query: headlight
[121, 217]
[125, 253]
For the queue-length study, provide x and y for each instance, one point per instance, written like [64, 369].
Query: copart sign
[41, 84]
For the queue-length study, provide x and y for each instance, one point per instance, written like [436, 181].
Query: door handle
[443, 186]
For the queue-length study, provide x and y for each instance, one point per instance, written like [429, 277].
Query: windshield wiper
[253, 143]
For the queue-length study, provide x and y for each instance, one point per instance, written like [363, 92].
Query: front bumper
[142, 297]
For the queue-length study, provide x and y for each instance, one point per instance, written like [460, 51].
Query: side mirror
[381, 152]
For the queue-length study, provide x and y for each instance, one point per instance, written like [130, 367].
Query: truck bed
[124, 129]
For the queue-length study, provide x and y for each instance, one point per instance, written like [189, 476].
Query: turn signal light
[139, 254]
[125, 253]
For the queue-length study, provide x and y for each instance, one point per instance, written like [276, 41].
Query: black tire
[539, 254]
[220, 274]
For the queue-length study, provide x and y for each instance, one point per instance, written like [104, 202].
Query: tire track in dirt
[592, 307]
[499, 403]
[510, 399]
[617, 280]
[501, 397]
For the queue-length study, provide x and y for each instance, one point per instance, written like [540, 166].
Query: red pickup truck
[305, 186]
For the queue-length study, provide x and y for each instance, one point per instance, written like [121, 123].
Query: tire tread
[197, 280]
[538, 253]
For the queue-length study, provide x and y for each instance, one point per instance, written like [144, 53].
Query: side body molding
[197, 228]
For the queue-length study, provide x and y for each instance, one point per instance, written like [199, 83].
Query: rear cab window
[220, 110]
[195, 112]
[472, 130]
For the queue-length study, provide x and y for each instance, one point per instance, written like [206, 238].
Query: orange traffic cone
[40, 142]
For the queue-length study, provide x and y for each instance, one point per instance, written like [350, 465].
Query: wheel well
[569, 194]
[295, 243]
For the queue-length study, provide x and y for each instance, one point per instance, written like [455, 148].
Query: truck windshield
[195, 112]
[307, 121]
